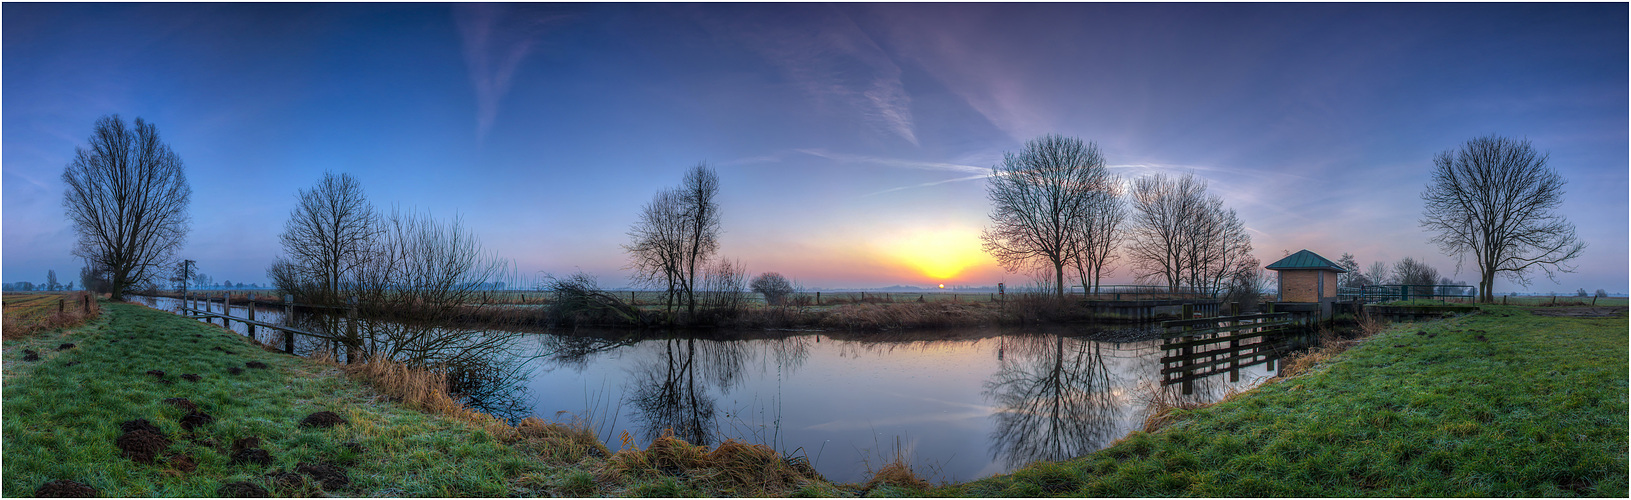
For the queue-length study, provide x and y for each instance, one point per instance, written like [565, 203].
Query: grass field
[1502, 403]
[64, 412]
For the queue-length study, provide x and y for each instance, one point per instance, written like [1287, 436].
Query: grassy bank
[1502, 403]
[68, 415]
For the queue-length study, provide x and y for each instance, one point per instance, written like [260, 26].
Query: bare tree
[1377, 273]
[676, 235]
[773, 286]
[51, 282]
[1099, 235]
[1494, 199]
[697, 192]
[127, 197]
[1409, 271]
[1184, 236]
[1039, 198]
[95, 278]
[325, 238]
[657, 247]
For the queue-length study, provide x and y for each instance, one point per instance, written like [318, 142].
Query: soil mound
[139, 424]
[235, 370]
[70, 363]
[331, 477]
[63, 488]
[256, 365]
[182, 403]
[30, 355]
[191, 377]
[65, 346]
[285, 480]
[252, 456]
[246, 443]
[196, 419]
[241, 489]
[322, 419]
[142, 445]
[156, 373]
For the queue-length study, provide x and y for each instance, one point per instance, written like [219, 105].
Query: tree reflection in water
[1053, 397]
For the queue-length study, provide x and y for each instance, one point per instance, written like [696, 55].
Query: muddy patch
[329, 476]
[241, 489]
[196, 419]
[1579, 312]
[30, 356]
[182, 403]
[142, 445]
[63, 488]
[322, 419]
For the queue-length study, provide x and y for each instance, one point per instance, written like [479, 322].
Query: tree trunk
[1059, 279]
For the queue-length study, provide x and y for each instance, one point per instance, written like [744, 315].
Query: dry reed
[28, 315]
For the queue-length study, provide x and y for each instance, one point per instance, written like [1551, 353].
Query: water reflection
[1054, 399]
[666, 396]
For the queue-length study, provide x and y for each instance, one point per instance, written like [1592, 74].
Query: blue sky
[850, 139]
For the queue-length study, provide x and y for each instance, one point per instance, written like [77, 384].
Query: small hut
[1307, 277]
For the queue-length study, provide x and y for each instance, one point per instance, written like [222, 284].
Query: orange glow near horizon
[938, 254]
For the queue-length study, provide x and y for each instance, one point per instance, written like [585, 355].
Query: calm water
[965, 405]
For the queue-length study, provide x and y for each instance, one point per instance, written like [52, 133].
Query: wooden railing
[189, 307]
[1200, 348]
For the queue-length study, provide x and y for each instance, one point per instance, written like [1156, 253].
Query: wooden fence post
[86, 300]
[61, 305]
[251, 317]
[226, 310]
[288, 320]
[351, 330]
[818, 298]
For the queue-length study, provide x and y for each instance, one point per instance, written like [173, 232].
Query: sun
[939, 254]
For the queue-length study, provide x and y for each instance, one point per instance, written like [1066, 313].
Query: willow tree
[1494, 199]
[1039, 200]
[127, 198]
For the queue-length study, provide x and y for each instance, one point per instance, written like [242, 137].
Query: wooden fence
[1200, 348]
[190, 307]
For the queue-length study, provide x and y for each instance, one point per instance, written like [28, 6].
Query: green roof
[1305, 260]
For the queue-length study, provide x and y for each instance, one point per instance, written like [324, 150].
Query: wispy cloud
[895, 162]
[496, 40]
[827, 56]
[927, 184]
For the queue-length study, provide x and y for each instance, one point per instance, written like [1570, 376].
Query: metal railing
[1388, 293]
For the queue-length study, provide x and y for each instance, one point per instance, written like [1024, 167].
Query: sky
[852, 141]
